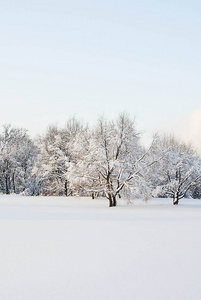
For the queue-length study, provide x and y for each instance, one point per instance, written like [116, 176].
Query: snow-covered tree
[111, 159]
[54, 158]
[179, 172]
[50, 168]
[17, 157]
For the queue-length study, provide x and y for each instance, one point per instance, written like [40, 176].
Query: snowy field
[55, 248]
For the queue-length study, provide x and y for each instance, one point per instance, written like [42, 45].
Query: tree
[109, 159]
[17, 157]
[50, 168]
[54, 157]
[180, 170]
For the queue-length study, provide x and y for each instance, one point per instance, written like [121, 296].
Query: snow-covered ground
[55, 248]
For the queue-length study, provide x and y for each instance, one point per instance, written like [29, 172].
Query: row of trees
[107, 160]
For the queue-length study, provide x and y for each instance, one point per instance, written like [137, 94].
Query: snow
[78, 248]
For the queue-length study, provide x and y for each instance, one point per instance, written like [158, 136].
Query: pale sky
[85, 58]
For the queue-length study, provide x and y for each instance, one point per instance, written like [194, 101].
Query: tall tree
[54, 157]
[111, 159]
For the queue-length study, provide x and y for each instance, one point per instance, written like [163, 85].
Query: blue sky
[85, 58]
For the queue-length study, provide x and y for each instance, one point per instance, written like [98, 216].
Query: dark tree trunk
[66, 188]
[110, 200]
[93, 196]
[13, 180]
[7, 185]
[114, 200]
[176, 199]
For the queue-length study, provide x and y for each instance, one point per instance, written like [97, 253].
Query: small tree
[179, 171]
[17, 157]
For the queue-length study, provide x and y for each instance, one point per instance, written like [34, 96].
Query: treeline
[106, 160]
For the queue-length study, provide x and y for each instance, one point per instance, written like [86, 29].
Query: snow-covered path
[57, 248]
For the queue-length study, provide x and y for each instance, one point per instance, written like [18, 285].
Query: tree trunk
[93, 196]
[176, 199]
[114, 200]
[7, 185]
[110, 200]
[66, 188]
[13, 180]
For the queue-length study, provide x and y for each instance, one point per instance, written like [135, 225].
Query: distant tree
[179, 172]
[55, 154]
[50, 168]
[196, 193]
[17, 157]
